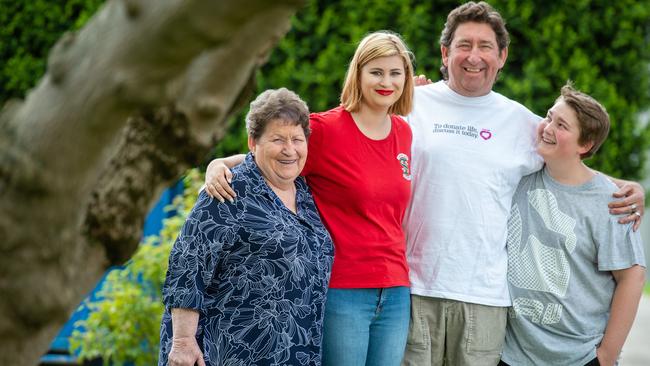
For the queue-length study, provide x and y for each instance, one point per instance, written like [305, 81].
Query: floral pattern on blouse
[256, 272]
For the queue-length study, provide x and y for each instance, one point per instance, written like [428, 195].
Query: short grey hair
[276, 104]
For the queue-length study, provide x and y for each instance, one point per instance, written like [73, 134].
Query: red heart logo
[486, 134]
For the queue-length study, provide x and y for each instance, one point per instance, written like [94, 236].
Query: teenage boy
[575, 274]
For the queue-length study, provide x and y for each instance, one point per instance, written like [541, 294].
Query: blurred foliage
[28, 30]
[601, 45]
[124, 322]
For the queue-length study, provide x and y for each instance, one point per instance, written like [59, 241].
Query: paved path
[636, 351]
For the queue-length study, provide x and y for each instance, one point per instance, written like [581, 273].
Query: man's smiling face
[473, 59]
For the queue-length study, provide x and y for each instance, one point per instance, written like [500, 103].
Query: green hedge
[124, 326]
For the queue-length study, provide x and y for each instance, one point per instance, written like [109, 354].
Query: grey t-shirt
[562, 245]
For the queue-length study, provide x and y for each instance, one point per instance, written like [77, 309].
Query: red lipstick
[384, 92]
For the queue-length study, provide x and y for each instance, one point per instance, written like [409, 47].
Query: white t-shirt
[468, 155]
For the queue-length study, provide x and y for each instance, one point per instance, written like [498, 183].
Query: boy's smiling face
[558, 134]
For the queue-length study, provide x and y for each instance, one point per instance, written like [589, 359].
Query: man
[471, 146]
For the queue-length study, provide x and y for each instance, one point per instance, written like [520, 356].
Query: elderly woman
[247, 281]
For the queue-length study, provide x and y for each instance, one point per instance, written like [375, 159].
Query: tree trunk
[132, 100]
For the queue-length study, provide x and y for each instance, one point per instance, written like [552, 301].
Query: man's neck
[465, 93]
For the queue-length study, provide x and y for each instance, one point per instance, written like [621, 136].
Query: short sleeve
[193, 257]
[619, 247]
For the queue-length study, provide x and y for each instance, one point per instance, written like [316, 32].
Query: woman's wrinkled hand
[185, 352]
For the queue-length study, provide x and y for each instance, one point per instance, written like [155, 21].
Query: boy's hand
[604, 359]
[632, 204]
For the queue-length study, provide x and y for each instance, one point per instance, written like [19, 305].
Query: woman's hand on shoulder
[217, 181]
[185, 352]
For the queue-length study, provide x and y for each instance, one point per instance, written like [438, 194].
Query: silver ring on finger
[637, 213]
[633, 208]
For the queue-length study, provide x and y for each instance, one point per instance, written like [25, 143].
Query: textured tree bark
[132, 100]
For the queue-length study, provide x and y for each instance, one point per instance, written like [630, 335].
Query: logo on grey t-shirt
[539, 267]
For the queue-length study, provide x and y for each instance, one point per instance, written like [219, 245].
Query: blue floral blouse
[256, 272]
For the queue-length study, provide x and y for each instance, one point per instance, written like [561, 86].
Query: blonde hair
[375, 45]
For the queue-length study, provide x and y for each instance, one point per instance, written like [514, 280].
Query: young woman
[358, 170]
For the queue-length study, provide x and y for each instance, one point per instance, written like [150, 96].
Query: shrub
[124, 322]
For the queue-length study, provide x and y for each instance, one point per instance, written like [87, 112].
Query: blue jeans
[366, 326]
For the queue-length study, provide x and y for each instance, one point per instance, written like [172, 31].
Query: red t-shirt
[361, 187]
